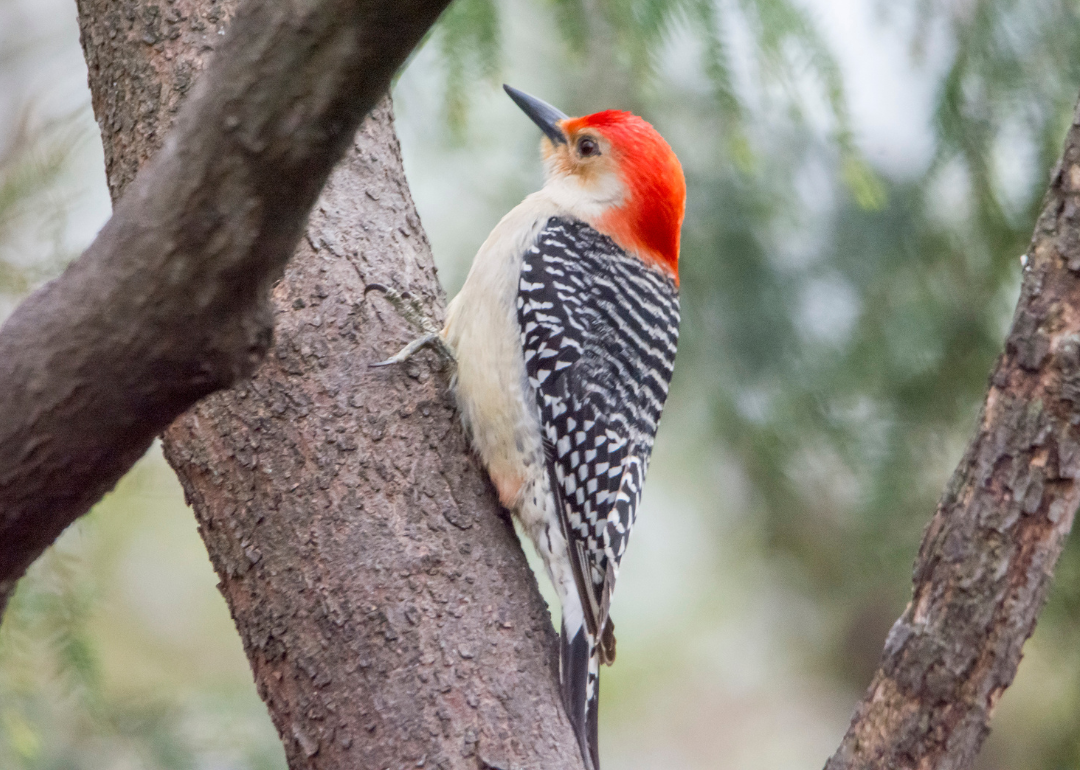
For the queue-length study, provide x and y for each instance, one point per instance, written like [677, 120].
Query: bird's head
[614, 171]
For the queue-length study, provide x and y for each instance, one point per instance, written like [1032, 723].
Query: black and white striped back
[599, 329]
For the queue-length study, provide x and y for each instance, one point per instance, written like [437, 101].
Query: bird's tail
[579, 673]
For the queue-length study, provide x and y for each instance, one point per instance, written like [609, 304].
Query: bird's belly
[498, 408]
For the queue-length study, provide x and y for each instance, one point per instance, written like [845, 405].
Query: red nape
[650, 220]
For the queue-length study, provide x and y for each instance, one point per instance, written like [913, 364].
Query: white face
[582, 175]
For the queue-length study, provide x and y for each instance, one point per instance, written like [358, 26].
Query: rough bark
[170, 302]
[987, 556]
[382, 598]
[388, 613]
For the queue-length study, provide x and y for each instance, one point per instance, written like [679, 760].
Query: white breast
[497, 406]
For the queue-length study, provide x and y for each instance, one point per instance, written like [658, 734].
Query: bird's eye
[587, 146]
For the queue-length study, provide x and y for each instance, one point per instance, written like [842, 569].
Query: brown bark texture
[987, 557]
[380, 593]
[171, 301]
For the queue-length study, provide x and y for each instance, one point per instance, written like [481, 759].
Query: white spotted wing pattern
[599, 329]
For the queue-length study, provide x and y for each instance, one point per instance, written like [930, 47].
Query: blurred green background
[863, 178]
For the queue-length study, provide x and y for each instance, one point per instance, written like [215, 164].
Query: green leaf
[865, 185]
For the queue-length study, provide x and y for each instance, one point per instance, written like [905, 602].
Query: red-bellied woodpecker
[565, 334]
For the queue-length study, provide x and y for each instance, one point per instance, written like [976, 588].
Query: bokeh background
[863, 179]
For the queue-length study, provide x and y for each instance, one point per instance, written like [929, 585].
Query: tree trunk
[383, 600]
[988, 554]
[386, 608]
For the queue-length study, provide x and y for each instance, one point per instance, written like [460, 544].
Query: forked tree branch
[988, 554]
[170, 301]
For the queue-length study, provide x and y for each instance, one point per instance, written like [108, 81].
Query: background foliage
[863, 178]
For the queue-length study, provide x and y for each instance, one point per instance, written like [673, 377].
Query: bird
[564, 336]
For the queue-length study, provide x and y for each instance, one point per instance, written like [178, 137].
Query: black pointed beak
[542, 113]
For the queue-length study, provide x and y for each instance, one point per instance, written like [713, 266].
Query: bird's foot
[433, 340]
[410, 310]
[406, 305]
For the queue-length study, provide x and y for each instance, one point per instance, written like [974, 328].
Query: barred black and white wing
[599, 330]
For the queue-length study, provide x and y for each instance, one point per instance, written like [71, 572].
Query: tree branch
[170, 301]
[988, 554]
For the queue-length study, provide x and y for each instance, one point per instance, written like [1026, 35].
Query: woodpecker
[564, 335]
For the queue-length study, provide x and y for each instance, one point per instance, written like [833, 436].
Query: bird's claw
[407, 306]
[409, 309]
[431, 339]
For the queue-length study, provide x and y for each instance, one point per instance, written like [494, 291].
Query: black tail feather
[574, 658]
[592, 731]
